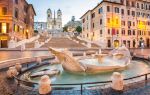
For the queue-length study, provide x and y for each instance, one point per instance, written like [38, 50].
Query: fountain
[80, 66]
[96, 68]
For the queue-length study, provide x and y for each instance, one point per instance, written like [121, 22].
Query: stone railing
[11, 62]
[14, 44]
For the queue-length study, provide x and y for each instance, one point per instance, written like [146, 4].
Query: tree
[65, 29]
[36, 31]
[79, 29]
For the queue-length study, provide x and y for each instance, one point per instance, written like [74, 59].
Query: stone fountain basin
[93, 66]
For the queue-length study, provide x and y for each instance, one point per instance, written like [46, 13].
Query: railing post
[146, 78]
[81, 89]
[27, 65]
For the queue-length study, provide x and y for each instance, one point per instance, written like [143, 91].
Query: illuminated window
[4, 10]
[4, 28]
[16, 28]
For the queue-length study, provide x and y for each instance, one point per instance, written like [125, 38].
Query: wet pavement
[6, 55]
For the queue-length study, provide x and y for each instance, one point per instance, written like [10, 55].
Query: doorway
[148, 42]
[4, 44]
[109, 43]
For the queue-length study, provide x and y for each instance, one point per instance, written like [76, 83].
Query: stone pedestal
[12, 72]
[23, 47]
[39, 60]
[44, 85]
[36, 44]
[89, 45]
[12, 44]
[18, 67]
[117, 81]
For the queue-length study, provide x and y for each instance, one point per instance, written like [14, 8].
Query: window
[101, 21]
[109, 31]
[129, 23]
[4, 27]
[116, 10]
[133, 23]
[16, 13]
[25, 8]
[93, 15]
[100, 10]
[108, 8]
[127, 3]
[133, 32]
[123, 32]
[108, 20]
[101, 32]
[93, 25]
[142, 6]
[138, 14]
[129, 32]
[117, 22]
[133, 13]
[138, 5]
[117, 32]
[83, 20]
[16, 1]
[123, 23]
[122, 11]
[133, 4]
[4, 11]
[128, 12]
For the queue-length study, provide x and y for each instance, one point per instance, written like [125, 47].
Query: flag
[113, 32]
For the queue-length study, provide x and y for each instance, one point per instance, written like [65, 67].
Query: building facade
[54, 22]
[73, 24]
[117, 22]
[16, 20]
[40, 26]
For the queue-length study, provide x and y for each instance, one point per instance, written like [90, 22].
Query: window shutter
[0, 27]
[7, 28]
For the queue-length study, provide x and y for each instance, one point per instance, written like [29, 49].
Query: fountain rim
[79, 84]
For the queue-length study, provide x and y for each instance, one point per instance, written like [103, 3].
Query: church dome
[49, 11]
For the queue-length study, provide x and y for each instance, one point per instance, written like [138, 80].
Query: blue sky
[69, 8]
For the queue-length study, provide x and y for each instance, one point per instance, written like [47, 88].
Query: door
[148, 42]
[4, 44]
[128, 44]
[109, 43]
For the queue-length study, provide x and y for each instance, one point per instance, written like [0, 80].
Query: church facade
[54, 22]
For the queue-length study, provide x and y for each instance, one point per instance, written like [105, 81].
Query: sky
[69, 8]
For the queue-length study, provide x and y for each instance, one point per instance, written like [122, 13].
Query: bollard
[100, 51]
[18, 67]
[117, 82]
[12, 72]
[84, 54]
[44, 85]
[39, 60]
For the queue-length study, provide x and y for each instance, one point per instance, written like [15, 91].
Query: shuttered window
[0, 27]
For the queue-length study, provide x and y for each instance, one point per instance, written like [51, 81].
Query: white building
[40, 25]
[53, 23]
[73, 24]
[117, 22]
